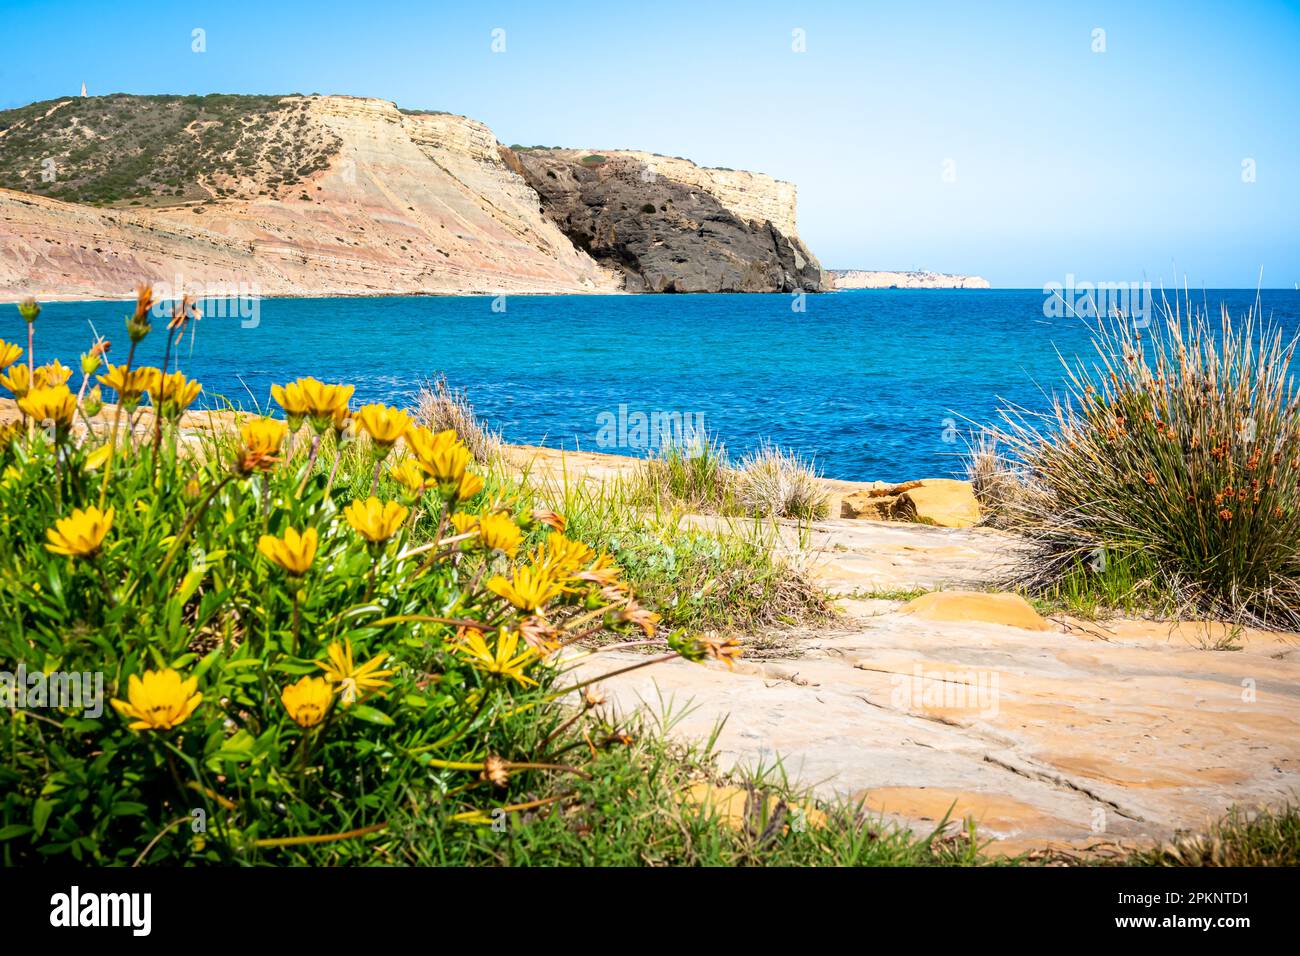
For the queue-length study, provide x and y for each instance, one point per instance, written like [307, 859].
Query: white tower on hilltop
[83, 90]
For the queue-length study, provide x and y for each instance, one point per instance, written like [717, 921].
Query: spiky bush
[775, 481]
[996, 482]
[439, 407]
[1179, 451]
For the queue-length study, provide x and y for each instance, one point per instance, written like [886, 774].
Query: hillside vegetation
[147, 150]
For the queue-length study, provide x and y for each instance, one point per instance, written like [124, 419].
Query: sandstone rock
[731, 805]
[977, 607]
[943, 502]
[864, 504]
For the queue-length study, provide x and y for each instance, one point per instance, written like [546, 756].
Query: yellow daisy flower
[159, 701]
[530, 588]
[383, 423]
[17, 380]
[410, 475]
[499, 660]
[55, 404]
[307, 700]
[9, 353]
[293, 400]
[354, 681]
[294, 552]
[172, 393]
[51, 374]
[375, 520]
[81, 534]
[262, 438]
[563, 556]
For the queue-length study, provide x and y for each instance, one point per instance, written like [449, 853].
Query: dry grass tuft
[440, 407]
[1176, 451]
[775, 481]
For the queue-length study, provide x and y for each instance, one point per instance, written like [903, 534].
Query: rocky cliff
[334, 195]
[671, 226]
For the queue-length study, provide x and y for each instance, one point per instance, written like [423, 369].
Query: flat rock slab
[1061, 736]
[1078, 736]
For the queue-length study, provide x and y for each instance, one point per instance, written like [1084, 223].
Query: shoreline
[8, 299]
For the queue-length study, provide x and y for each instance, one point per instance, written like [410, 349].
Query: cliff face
[671, 226]
[864, 279]
[406, 203]
[370, 200]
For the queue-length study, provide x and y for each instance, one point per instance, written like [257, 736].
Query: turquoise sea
[872, 384]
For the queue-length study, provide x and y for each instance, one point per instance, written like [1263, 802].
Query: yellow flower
[424, 444]
[81, 534]
[159, 701]
[294, 552]
[293, 400]
[128, 385]
[342, 422]
[464, 522]
[9, 353]
[530, 588]
[307, 701]
[172, 393]
[51, 374]
[383, 423]
[18, 380]
[498, 532]
[354, 682]
[500, 660]
[262, 440]
[375, 520]
[410, 475]
[470, 485]
[442, 455]
[563, 556]
[55, 404]
[8, 432]
[97, 457]
[324, 401]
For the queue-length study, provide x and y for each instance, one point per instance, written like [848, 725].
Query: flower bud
[93, 402]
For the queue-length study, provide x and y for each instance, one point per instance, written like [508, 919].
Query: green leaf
[41, 811]
[370, 715]
[14, 830]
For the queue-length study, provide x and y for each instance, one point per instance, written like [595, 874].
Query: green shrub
[302, 627]
[1178, 452]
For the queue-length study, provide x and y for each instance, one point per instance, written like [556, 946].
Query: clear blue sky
[1112, 166]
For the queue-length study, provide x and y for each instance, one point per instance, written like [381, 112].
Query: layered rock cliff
[671, 226]
[334, 195]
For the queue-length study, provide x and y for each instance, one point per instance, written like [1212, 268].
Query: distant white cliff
[863, 279]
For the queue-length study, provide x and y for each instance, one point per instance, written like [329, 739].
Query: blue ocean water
[872, 384]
